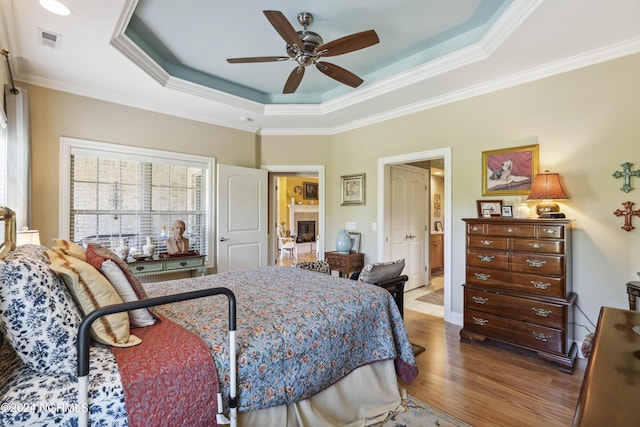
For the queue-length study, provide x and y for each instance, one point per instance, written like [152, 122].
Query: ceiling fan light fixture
[307, 47]
[56, 7]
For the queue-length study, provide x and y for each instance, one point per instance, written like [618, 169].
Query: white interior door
[407, 222]
[242, 218]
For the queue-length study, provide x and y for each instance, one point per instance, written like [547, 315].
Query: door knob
[223, 239]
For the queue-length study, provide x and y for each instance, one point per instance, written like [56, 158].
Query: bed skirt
[364, 397]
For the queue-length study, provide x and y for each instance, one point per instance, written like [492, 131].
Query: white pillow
[138, 318]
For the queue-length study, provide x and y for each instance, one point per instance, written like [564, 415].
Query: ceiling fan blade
[283, 27]
[349, 43]
[257, 59]
[294, 80]
[339, 74]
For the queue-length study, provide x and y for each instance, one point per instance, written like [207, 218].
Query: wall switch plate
[349, 226]
[374, 226]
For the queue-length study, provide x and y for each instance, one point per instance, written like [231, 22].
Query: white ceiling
[431, 52]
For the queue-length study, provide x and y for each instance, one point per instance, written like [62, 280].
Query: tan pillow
[92, 290]
[69, 248]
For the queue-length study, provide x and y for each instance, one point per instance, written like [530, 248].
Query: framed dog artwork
[509, 171]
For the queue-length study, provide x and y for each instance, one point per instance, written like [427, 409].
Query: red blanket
[169, 379]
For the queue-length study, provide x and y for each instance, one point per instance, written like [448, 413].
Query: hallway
[306, 252]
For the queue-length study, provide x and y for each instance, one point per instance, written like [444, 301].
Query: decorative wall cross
[628, 213]
[626, 174]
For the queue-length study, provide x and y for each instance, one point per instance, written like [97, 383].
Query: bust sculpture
[177, 244]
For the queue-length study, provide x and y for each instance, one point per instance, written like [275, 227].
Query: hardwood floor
[488, 384]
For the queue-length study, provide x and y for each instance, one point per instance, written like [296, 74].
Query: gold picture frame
[310, 190]
[509, 171]
[353, 189]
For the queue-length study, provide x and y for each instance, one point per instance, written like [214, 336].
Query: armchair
[287, 244]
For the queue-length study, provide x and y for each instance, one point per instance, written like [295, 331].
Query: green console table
[164, 265]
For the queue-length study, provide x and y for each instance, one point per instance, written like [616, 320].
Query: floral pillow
[37, 313]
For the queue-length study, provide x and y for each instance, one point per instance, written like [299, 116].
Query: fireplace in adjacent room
[306, 231]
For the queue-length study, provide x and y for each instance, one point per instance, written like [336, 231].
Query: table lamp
[27, 237]
[547, 187]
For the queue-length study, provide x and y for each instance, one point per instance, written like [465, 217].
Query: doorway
[385, 213]
[288, 206]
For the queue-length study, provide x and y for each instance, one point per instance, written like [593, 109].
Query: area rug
[419, 414]
[436, 297]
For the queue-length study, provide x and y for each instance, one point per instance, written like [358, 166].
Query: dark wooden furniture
[633, 289]
[518, 286]
[436, 253]
[609, 393]
[345, 263]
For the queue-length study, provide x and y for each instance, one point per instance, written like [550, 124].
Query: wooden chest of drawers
[518, 286]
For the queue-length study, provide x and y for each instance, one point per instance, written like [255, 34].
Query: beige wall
[586, 123]
[55, 114]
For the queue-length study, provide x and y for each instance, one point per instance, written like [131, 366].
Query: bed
[312, 349]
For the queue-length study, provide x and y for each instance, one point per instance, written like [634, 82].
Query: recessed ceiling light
[55, 6]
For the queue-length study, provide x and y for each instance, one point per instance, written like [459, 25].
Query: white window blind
[117, 192]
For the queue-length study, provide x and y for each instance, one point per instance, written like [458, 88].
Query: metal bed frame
[84, 342]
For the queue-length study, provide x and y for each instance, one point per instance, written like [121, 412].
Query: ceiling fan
[307, 47]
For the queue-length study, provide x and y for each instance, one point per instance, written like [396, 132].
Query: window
[114, 192]
[3, 161]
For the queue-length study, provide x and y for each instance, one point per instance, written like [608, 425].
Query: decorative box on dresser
[518, 286]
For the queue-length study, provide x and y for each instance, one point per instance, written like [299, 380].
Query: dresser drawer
[538, 245]
[538, 263]
[519, 230]
[499, 243]
[146, 267]
[551, 231]
[477, 228]
[489, 259]
[337, 263]
[529, 310]
[176, 264]
[535, 337]
[553, 287]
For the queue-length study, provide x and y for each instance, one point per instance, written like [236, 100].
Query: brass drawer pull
[480, 300]
[481, 276]
[183, 264]
[510, 229]
[536, 245]
[486, 258]
[487, 242]
[541, 312]
[479, 321]
[475, 228]
[140, 267]
[540, 285]
[536, 263]
[549, 230]
[541, 337]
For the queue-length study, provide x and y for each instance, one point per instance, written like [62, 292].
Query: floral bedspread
[298, 331]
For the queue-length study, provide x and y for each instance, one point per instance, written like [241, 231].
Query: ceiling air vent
[49, 39]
